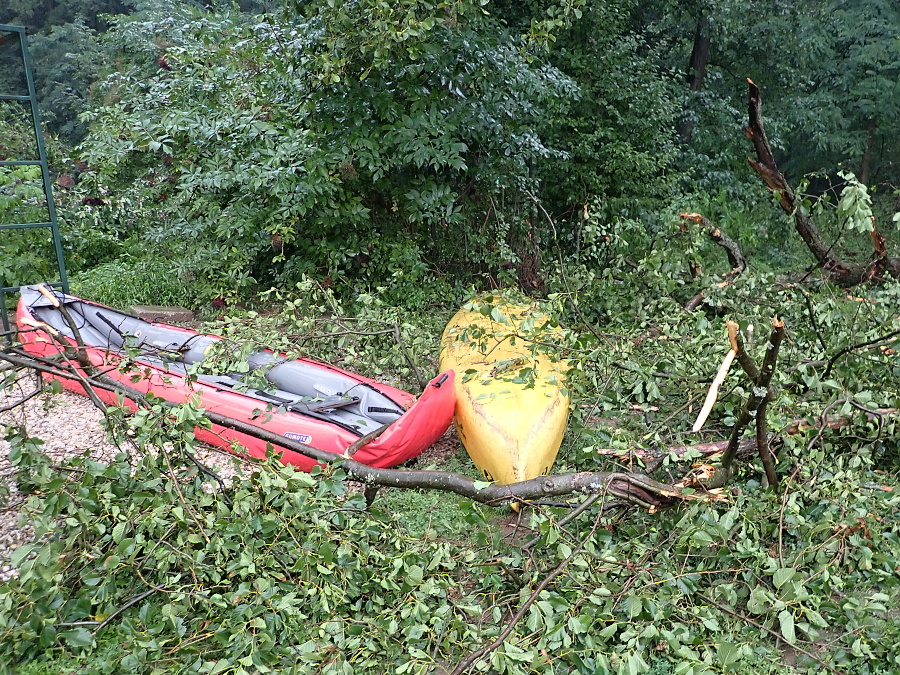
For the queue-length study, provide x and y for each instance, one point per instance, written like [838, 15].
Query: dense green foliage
[290, 571]
[377, 162]
[289, 149]
[406, 146]
[65, 54]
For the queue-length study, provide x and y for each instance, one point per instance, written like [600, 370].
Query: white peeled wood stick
[47, 294]
[713, 392]
[34, 323]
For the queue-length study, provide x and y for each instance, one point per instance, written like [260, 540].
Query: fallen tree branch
[632, 487]
[732, 250]
[767, 169]
[653, 459]
[759, 394]
[835, 422]
[862, 345]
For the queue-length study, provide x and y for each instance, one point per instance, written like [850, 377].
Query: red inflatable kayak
[300, 399]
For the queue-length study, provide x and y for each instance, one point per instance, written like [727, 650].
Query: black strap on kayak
[294, 405]
[109, 323]
[391, 411]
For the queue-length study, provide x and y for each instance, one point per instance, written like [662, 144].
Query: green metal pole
[45, 169]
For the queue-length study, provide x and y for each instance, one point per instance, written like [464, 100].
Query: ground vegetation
[334, 180]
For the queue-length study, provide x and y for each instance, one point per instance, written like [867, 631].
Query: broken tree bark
[760, 395]
[838, 271]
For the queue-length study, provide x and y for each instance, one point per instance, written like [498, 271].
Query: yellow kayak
[511, 401]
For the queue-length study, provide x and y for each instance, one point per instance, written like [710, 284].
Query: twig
[470, 660]
[823, 422]
[27, 397]
[365, 440]
[562, 269]
[422, 382]
[578, 510]
[136, 599]
[103, 624]
[212, 474]
[813, 320]
[177, 487]
[784, 500]
[861, 345]
[776, 634]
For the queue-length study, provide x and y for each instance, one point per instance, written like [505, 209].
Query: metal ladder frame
[12, 33]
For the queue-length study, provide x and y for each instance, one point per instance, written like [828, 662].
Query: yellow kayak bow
[511, 401]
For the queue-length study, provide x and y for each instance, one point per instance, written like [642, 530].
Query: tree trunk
[696, 71]
[865, 165]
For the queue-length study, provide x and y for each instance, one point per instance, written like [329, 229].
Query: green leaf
[498, 315]
[815, 618]
[783, 575]
[786, 621]
[20, 553]
[119, 531]
[727, 653]
[80, 638]
[634, 605]
[759, 600]
[415, 574]
[609, 631]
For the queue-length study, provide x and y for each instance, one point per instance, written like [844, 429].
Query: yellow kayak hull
[512, 405]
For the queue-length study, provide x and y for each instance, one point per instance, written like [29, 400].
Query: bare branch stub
[753, 408]
[735, 256]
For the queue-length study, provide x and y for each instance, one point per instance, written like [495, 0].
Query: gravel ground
[69, 425]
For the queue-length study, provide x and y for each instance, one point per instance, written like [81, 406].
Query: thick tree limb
[762, 444]
[766, 168]
[732, 250]
[759, 395]
[632, 487]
